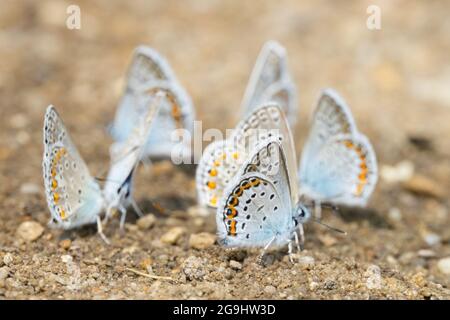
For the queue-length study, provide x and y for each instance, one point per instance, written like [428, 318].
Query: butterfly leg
[318, 210]
[297, 243]
[146, 162]
[109, 213]
[136, 207]
[123, 211]
[290, 251]
[100, 230]
[302, 236]
[261, 256]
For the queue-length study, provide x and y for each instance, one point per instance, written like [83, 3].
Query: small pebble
[8, 259]
[313, 285]
[425, 186]
[395, 214]
[432, 239]
[444, 265]
[194, 268]
[202, 240]
[65, 244]
[426, 253]
[399, 173]
[29, 230]
[270, 290]
[4, 272]
[172, 236]
[306, 261]
[146, 222]
[391, 260]
[374, 279]
[198, 211]
[30, 188]
[407, 257]
[66, 258]
[235, 265]
[18, 121]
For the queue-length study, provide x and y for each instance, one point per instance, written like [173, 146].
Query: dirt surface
[396, 81]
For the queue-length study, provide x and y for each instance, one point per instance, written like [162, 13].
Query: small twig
[151, 276]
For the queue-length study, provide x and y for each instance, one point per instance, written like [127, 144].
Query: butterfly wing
[73, 196]
[344, 171]
[257, 203]
[147, 68]
[264, 122]
[176, 113]
[125, 155]
[270, 81]
[219, 163]
[330, 118]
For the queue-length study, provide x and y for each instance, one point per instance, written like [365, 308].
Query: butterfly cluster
[252, 178]
[153, 103]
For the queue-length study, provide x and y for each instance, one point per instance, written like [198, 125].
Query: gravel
[394, 93]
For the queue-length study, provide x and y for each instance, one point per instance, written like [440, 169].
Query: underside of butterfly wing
[73, 196]
[344, 171]
[252, 213]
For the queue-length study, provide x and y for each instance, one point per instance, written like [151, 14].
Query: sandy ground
[396, 81]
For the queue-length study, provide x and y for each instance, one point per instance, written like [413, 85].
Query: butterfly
[222, 159]
[338, 164]
[260, 206]
[73, 196]
[270, 81]
[148, 70]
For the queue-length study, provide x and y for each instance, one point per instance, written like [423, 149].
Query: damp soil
[395, 80]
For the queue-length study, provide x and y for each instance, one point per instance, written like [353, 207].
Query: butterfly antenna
[329, 227]
[333, 207]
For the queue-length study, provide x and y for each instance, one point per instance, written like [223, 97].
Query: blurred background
[396, 81]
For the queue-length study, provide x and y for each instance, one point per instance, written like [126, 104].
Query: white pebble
[401, 172]
[30, 188]
[8, 259]
[432, 239]
[4, 272]
[146, 222]
[66, 258]
[444, 265]
[29, 230]
[235, 265]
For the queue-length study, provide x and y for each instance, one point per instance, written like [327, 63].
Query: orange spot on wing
[359, 189]
[233, 228]
[239, 192]
[231, 213]
[212, 172]
[211, 184]
[349, 144]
